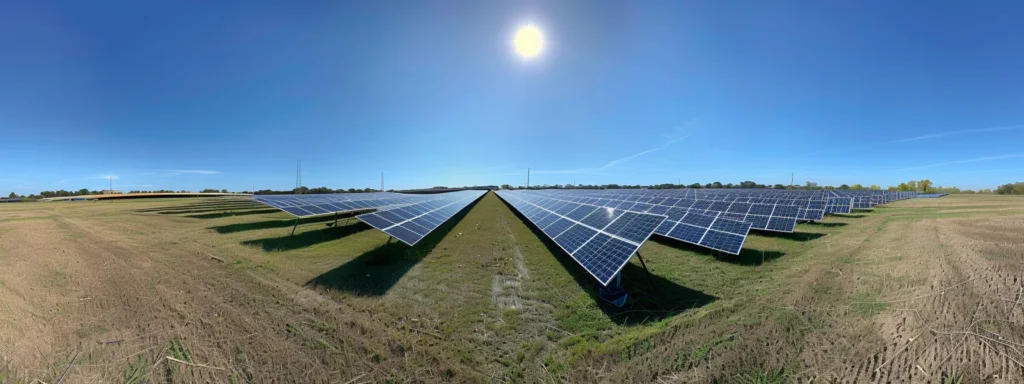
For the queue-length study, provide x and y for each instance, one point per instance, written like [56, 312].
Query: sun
[529, 41]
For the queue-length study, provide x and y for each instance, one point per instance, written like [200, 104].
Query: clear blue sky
[228, 94]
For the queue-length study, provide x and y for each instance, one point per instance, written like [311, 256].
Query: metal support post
[649, 277]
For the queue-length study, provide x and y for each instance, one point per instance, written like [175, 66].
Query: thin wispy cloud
[172, 172]
[631, 157]
[958, 133]
[676, 135]
[974, 160]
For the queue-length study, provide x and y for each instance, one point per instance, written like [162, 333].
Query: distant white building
[112, 192]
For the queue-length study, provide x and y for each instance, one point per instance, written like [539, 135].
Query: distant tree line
[1011, 189]
[924, 186]
[317, 190]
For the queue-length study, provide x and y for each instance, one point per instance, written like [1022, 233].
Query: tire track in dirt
[124, 304]
[509, 293]
[938, 299]
[506, 288]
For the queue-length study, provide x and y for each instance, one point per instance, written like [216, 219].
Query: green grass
[762, 376]
[136, 371]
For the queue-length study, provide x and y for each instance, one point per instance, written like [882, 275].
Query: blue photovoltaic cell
[557, 227]
[601, 218]
[604, 256]
[687, 233]
[760, 222]
[722, 240]
[839, 205]
[581, 212]
[376, 221]
[565, 209]
[392, 216]
[665, 227]
[659, 209]
[634, 226]
[697, 220]
[574, 237]
[729, 226]
[405, 235]
[781, 224]
[547, 220]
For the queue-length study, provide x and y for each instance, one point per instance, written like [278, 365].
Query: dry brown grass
[920, 291]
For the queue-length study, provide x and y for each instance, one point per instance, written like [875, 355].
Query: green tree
[844, 186]
[925, 185]
[1011, 189]
[857, 187]
[12, 195]
[780, 186]
[912, 185]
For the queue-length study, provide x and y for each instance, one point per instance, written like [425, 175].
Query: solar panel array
[763, 215]
[839, 205]
[406, 217]
[709, 229]
[323, 204]
[411, 223]
[600, 239]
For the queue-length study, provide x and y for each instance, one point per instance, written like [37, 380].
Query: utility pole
[298, 174]
[527, 178]
[382, 181]
[111, 184]
[791, 175]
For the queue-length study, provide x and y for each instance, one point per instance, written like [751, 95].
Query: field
[215, 290]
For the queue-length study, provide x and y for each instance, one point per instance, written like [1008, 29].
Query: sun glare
[529, 41]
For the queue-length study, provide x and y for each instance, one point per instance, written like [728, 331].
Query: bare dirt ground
[215, 290]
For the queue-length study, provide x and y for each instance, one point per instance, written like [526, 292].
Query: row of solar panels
[406, 217]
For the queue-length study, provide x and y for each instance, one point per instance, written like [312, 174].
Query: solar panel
[322, 204]
[705, 230]
[695, 222]
[773, 216]
[839, 205]
[411, 223]
[600, 239]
